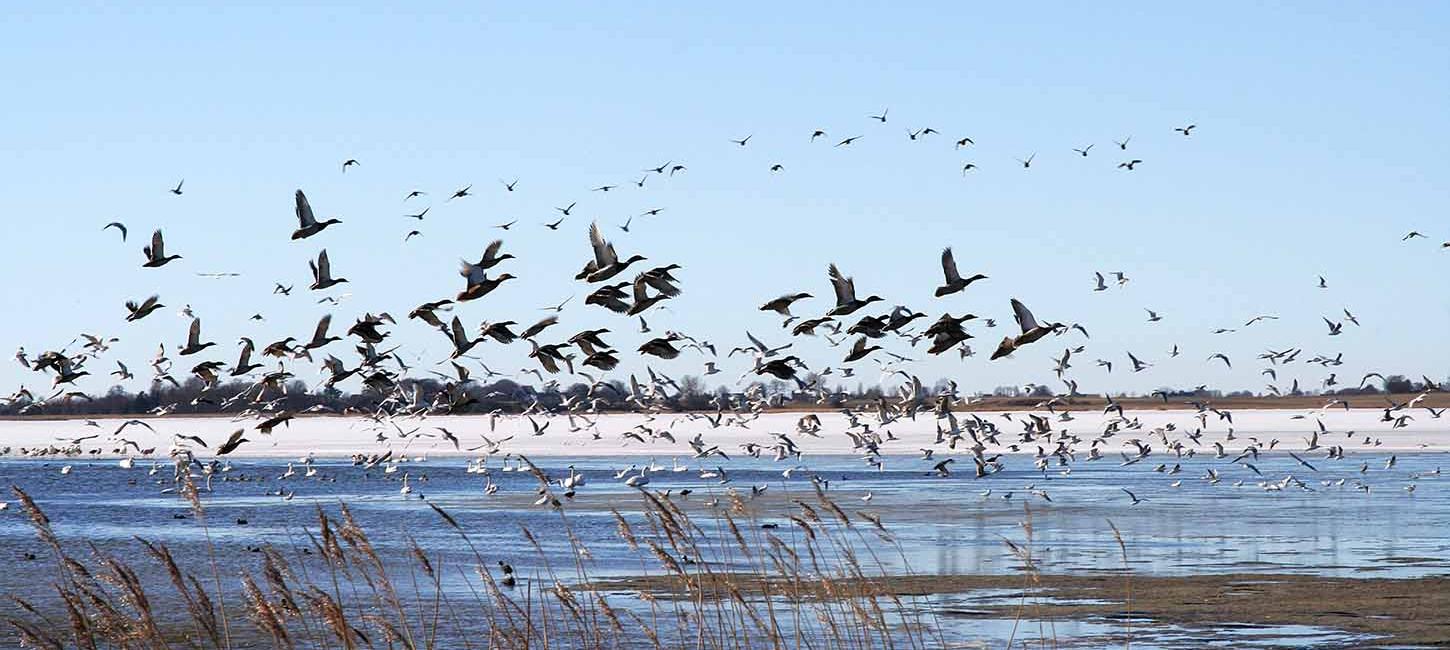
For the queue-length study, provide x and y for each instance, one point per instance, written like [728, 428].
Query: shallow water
[945, 525]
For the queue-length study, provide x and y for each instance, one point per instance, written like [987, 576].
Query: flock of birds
[849, 320]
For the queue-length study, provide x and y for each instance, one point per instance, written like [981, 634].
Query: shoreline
[1404, 611]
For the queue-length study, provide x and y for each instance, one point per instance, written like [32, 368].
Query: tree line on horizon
[689, 393]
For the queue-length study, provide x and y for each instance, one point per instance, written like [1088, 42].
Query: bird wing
[324, 267]
[321, 332]
[118, 226]
[845, 287]
[158, 247]
[304, 211]
[949, 266]
[193, 337]
[1023, 316]
[603, 252]
[492, 251]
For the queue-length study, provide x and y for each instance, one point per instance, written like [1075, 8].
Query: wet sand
[1409, 612]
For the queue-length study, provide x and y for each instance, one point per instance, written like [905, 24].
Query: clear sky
[1321, 141]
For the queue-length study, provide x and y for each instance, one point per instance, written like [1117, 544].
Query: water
[945, 525]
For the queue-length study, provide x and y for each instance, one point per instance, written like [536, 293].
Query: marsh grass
[714, 578]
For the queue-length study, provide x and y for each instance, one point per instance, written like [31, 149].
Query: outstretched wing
[845, 287]
[949, 266]
[603, 252]
[304, 211]
[1023, 316]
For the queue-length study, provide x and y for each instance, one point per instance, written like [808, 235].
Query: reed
[710, 579]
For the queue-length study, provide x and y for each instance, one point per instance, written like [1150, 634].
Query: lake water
[1352, 517]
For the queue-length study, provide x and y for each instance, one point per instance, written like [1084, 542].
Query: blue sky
[1320, 143]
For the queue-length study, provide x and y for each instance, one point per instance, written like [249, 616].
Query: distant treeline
[689, 393]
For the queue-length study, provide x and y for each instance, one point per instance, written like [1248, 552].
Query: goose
[491, 256]
[478, 284]
[611, 297]
[642, 300]
[244, 363]
[138, 312]
[782, 304]
[498, 331]
[156, 253]
[307, 224]
[606, 263]
[860, 350]
[461, 343]
[1031, 330]
[193, 340]
[954, 281]
[845, 290]
[319, 335]
[662, 347]
[322, 273]
[539, 327]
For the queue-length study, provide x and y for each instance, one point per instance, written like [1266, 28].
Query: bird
[461, 193]
[882, 117]
[177, 190]
[193, 340]
[1084, 151]
[1027, 162]
[156, 253]
[848, 141]
[1129, 165]
[743, 141]
[954, 280]
[118, 226]
[1186, 130]
[845, 290]
[350, 162]
[307, 224]
[1132, 496]
[322, 273]
[782, 304]
[142, 310]
[1124, 144]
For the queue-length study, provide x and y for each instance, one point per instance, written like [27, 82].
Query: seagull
[1132, 496]
[350, 162]
[1186, 130]
[1084, 151]
[118, 226]
[742, 142]
[461, 193]
[1027, 164]
[848, 141]
[177, 190]
[1129, 165]
[881, 117]
[1124, 144]
[1334, 328]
